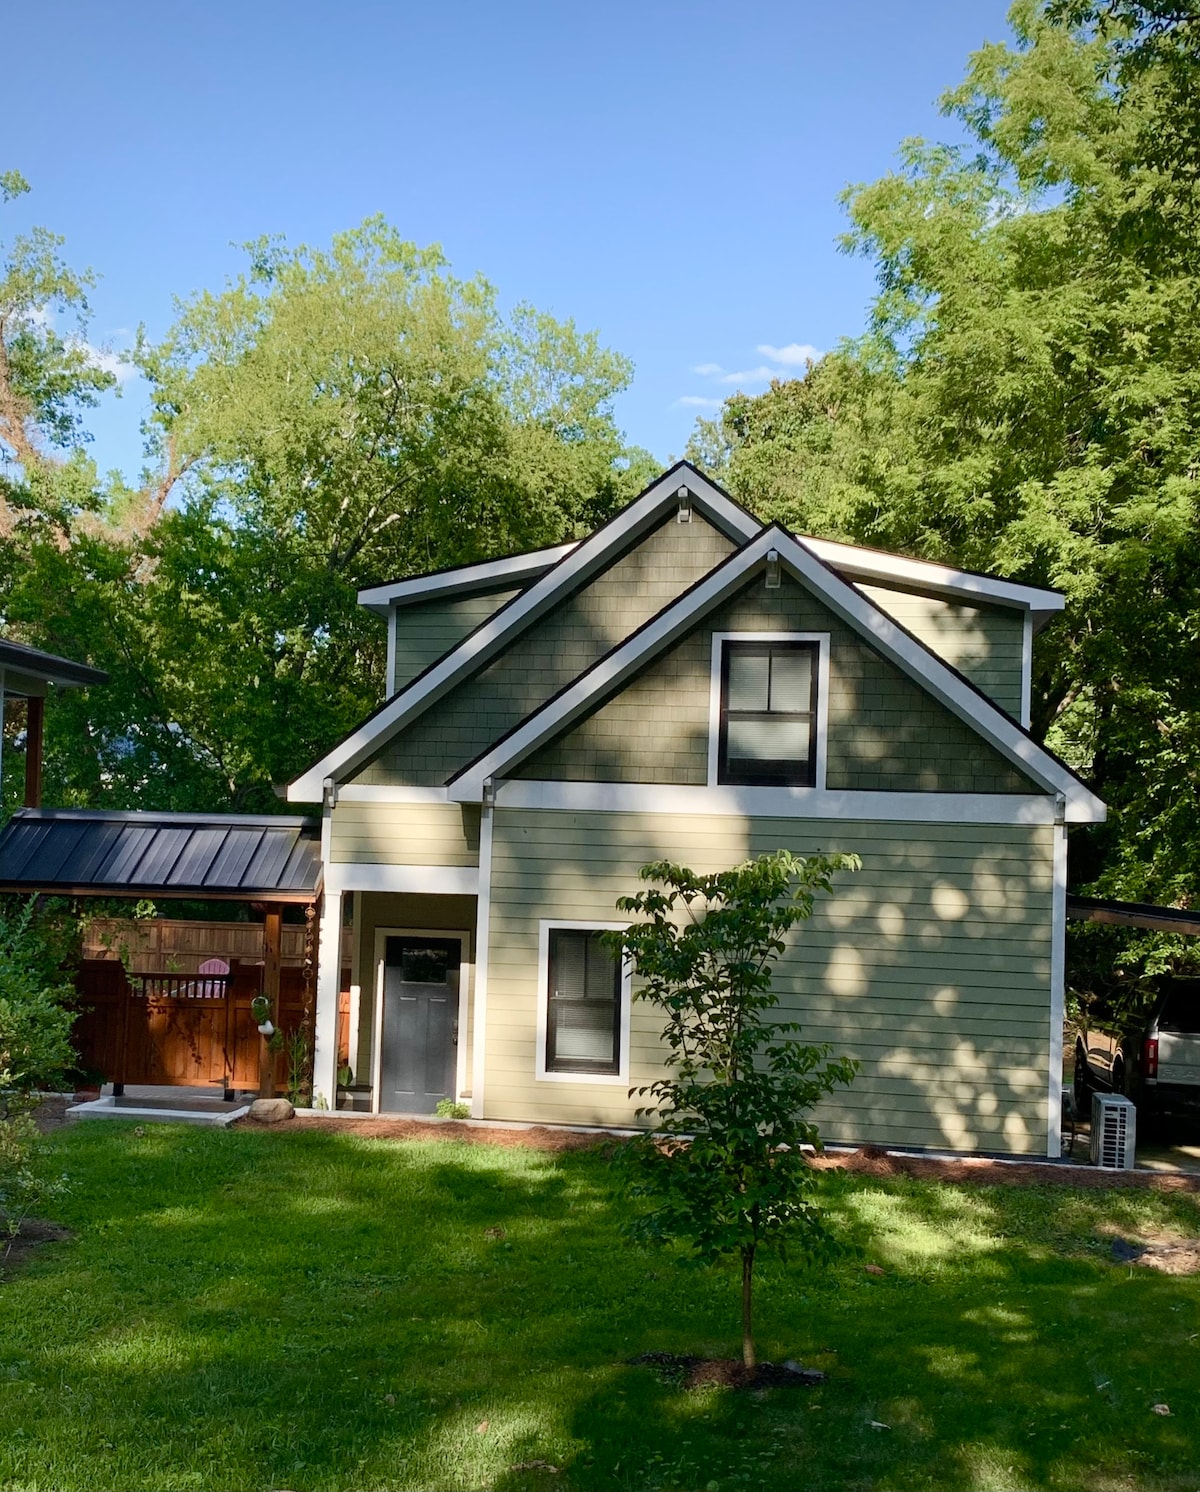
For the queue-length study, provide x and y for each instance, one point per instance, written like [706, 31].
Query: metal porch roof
[226, 857]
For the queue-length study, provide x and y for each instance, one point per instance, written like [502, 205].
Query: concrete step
[115, 1108]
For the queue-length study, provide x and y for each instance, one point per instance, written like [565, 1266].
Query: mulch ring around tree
[725, 1372]
[33, 1233]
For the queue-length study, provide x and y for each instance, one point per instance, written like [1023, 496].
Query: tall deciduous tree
[723, 1168]
[331, 419]
[1027, 400]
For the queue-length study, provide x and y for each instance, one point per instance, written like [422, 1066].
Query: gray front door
[420, 1023]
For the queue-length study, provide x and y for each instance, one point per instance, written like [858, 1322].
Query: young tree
[723, 1167]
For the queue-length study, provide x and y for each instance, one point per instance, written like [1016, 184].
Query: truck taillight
[1150, 1057]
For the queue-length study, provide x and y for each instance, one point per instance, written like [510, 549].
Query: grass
[241, 1310]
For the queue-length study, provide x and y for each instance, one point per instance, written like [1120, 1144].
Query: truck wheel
[1080, 1085]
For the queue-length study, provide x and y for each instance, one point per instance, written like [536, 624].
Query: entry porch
[410, 1009]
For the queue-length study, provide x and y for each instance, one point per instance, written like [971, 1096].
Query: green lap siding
[932, 966]
[551, 652]
[405, 833]
[885, 733]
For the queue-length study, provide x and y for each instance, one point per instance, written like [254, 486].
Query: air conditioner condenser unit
[1114, 1132]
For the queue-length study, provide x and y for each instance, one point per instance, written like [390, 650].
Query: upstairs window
[583, 1016]
[768, 723]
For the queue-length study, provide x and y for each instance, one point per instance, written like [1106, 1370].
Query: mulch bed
[870, 1160]
[873, 1161]
[725, 1372]
[368, 1127]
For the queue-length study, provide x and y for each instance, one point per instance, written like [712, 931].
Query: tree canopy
[1026, 400]
[332, 418]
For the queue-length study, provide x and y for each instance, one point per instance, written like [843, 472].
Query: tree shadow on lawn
[325, 1312]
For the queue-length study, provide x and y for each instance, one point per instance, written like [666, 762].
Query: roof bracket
[772, 569]
[683, 513]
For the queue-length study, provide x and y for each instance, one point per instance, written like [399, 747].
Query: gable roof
[497, 574]
[557, 571]
[579, 565]
[964, 587]
[898, 645]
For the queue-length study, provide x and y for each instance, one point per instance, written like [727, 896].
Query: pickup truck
[1154, 1061]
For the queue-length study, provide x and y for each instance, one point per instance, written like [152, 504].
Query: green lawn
[243, 1310]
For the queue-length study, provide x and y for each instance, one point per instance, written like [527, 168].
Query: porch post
[325, 1021]
[272, 955]
[34, 725]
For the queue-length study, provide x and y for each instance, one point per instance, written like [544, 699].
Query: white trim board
[778, 802]
[355, 792]
[426, 880]
[511, 570]
[820, 724]
[483, 933]
[586, 560]
[855, 609]
[618, 1079]
[955, 585]
[1058, 995]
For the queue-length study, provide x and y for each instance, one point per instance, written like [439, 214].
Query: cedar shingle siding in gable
[885, 733]
[983, 642]
[553, 651]
[427, 629]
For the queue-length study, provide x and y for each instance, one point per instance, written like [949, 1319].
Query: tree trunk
[747, 1327]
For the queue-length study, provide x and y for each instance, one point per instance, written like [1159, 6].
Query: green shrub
[35, 1054]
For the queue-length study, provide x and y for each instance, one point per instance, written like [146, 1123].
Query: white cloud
[794, 355]
[708, 370]
[761, 374]
[698, 401]
[109, 362]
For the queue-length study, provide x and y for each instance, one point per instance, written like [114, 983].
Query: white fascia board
[585, 560]
[950, 688]
[429, 880]
[355, 792]
[955, 585]
[513, 570]
[778, 803]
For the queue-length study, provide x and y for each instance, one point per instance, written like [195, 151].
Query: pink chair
[210, 989]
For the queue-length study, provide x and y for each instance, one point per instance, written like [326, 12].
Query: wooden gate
[186, 1030]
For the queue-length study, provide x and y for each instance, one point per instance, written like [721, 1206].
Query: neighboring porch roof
[25, 671]
[217, 857]
[1134, 914]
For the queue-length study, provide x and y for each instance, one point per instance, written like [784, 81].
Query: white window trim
[719, 639]
[465, 972]
[618, 1079]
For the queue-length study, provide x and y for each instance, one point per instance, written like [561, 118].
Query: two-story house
[688, 683]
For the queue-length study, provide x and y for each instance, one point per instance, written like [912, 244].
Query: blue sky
[665, 173]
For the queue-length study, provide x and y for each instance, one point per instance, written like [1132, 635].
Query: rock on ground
[271, 1110]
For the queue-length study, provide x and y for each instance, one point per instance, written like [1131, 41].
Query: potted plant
[260, 1009]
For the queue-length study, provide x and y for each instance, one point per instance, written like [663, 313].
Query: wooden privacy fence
[193, 1031]
[181, 945]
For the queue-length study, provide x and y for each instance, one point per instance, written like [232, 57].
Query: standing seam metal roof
[228, 856]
